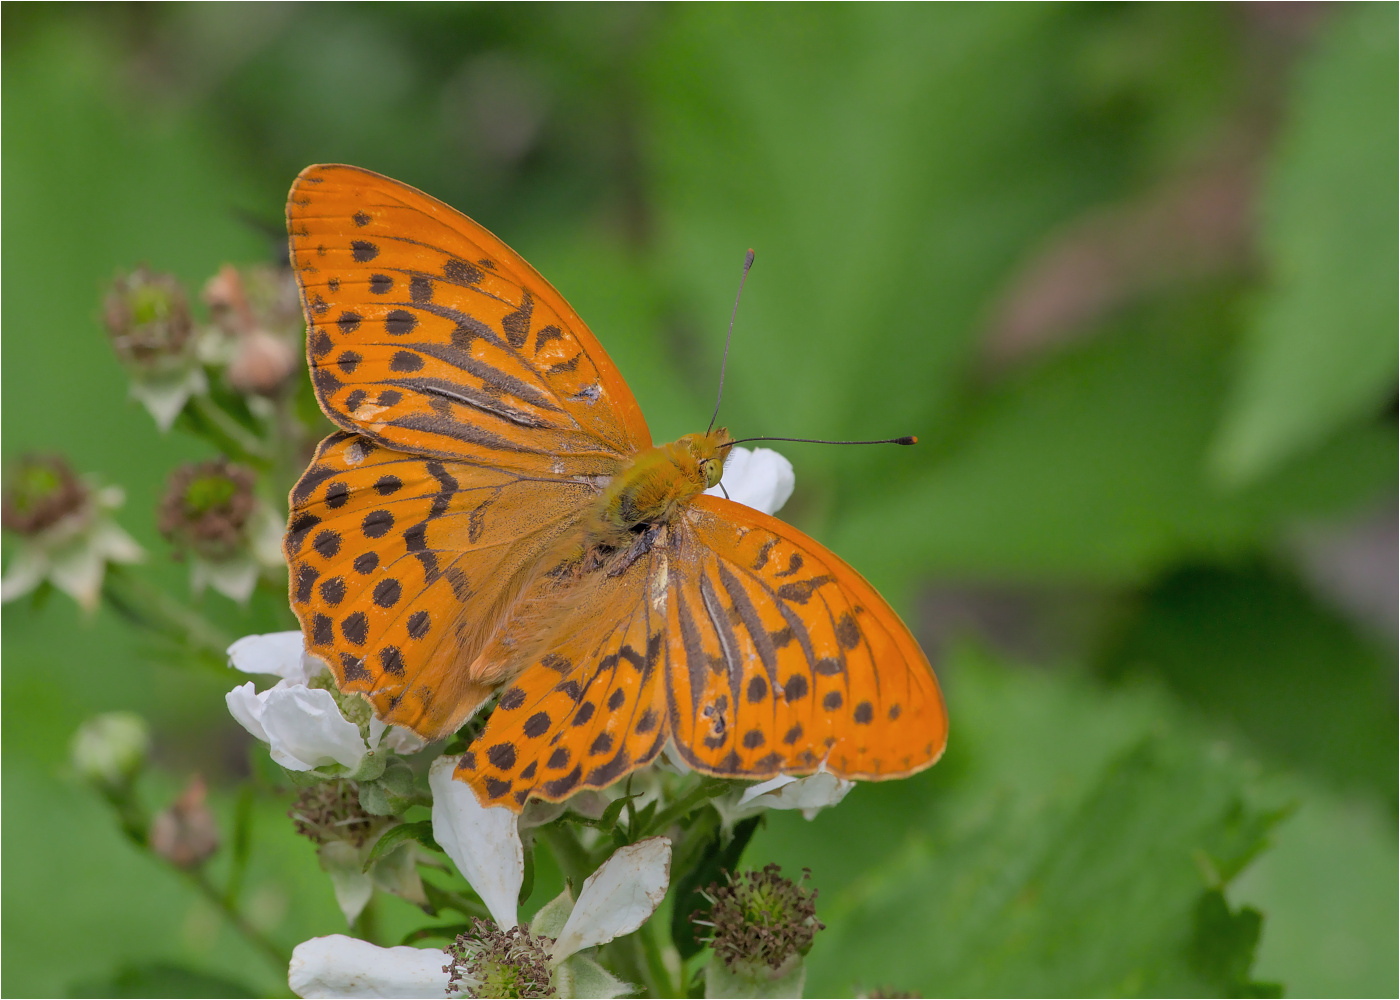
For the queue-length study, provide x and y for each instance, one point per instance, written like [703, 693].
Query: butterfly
[494, 519]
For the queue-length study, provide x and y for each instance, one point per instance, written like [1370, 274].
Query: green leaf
[1322, 352]
[162, 979]
[717, 858]
[422, 832]
[1061, 848]
[1222, 950]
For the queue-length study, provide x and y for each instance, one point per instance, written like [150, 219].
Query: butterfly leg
[636, 550]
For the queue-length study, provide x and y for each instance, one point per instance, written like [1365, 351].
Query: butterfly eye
[712, 469]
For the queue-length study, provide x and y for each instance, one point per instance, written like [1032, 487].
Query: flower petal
[276, 653]
[78, 572]
[304, 727]
[341, 966]
[246, 707]
[234, 578]
[761, 478]
[27, 570]
[484, 843]
[619, 897]
[114, 544]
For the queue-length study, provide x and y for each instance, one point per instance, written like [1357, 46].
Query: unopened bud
[40, 492]
[489, 962]
[261, 364]
[184, 833]
[110, 749]
[148, 317]
[206, 508]
[259, 312]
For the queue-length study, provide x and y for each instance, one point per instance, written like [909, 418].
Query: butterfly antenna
[907, 439]
[748, 263]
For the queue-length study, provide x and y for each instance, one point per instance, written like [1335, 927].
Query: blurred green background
[1129, 272]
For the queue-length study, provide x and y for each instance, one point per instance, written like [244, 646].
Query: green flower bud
[110, 749]
[40, 492]
[148, 318]
[207, 507]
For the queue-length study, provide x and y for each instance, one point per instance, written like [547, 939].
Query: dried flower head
[760, 919]
[41, 491]
[490, 962]
[330, 811]
[185, 833]
[207, 506]
[148, 317]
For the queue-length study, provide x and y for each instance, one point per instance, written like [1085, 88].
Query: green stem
[229, 432]
[661, 984]
[270, 951]
[242, 840]
[153, 609]
[573, 860]
[698, 795]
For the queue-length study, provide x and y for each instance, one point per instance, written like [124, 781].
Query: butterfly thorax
[658, 484]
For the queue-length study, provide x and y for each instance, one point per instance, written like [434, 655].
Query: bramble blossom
[300, 718]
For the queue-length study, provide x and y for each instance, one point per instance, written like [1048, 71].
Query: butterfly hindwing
[590, 709]
[428, 334]
[782, 657]
[400, 565]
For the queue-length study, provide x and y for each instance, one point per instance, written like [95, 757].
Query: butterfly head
[708, 452]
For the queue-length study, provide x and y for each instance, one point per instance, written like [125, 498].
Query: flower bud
[41, 491]
[760, 926]
[489, 962]
[148, 318]
[185, 833]
[110, 749]
[258, 313]
[330, 810]
[206, 508]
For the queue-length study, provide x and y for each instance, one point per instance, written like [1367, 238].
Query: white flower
[811, 794]
[761, 479]
[483, 842]
[73, 553]
[165, 394]
[303, 726]
[615, 900]
[340, 966]
[111, 748]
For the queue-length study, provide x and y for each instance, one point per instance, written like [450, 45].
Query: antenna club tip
[748, 259]
[909, 439]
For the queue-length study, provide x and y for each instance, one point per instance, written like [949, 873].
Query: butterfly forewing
[428, 334]
[401, 565]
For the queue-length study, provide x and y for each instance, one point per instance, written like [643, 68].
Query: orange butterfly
[494, 514]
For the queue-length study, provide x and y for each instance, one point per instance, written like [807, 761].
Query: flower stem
[228, 434]
[256, 938]
[659, 981]
[151, 608]
[701, 793]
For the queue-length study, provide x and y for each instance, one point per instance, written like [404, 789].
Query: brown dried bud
[148, 317]
[262, 363]
[41, 491]
[206, 508]
[260, 309]
[760, 919]
[330, 810]
[185, 833]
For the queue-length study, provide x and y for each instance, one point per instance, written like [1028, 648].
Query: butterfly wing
[402, 567]
[590, 705]
[782, 657]
[427, 334]
[750, 645]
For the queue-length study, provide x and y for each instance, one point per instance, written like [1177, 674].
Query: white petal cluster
[811, 794]
[485, 845]
[73, 554]
[759, 478]
[302, 725]
[164, 395]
